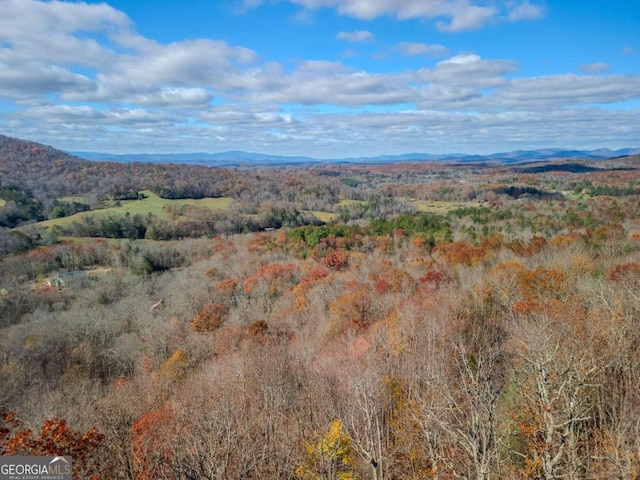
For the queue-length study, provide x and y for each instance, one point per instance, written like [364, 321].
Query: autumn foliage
[209, 318]
[54, 437]
[493, 336]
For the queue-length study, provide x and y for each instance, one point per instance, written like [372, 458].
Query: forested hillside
[411, 321]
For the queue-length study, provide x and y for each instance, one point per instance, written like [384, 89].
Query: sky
[321, 78]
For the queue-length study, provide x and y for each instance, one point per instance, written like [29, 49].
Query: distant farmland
[151, 204]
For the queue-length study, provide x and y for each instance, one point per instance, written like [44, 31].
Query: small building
[62, 279]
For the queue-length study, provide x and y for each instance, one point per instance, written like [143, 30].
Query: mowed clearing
[441, 207]
[152, 204]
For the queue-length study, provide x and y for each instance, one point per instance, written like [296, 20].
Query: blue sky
[322, 78]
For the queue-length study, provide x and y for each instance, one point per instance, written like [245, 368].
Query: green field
[151, 204]
[345, 201]
[322, 216]
[73, 198]
[433, 206]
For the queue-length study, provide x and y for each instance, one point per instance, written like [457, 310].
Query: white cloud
[461, 14]
[469, 70]
[524, 11]
[140, 94]
[42, 43]
[331, 83]
[48, 32]
[359, 36]
[235, 127]
[414, 48]
[66, 114]
[191, 62]
[557, 91]
[227, 115]
[468, 17]
[594, 67]
[32, 80]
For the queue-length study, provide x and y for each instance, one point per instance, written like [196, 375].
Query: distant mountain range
[239, 158]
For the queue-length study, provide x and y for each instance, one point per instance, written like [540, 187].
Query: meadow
[150, 204]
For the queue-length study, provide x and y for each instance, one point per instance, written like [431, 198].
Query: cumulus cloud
[332, 83]
[414, 48]
[464, 15]
[468, 17]
[191, 62]
[557, 91]
[469, 70]
[460, 14]
[67, 114]
[57, 31]
[335, 135]
[35, 79]
[237, 115]
[359, 36]
[140, 93]
[42, 43]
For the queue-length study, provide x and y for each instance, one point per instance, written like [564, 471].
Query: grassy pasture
[346, 201]
[323, 216]
[151, 204]
[434, 206]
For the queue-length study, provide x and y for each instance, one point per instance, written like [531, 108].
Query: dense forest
[407, 321]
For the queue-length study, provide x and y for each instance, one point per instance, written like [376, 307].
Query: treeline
[21, 207]
[611, 190]
[194, 222]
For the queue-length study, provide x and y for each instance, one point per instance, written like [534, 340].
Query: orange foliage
[307, 282]
[494, 241]
[434, 277]
[627, 274]
[563, 241]
[355, 308]
[461, 253]
[610, 232]
[418, 241]
[274, 276]
[382, 286]
[624, 271]
[211, 272]
[337, 260]
[261, 243]
[301, 303]
[542, 282]
[530, 430]
[227, 289]
[152, 437]
[209, 318]
[535, 245]
[318, 274]
[258, 328]
[226, 286]
[54, 438]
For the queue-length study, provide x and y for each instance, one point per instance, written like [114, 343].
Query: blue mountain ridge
[237, 158]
